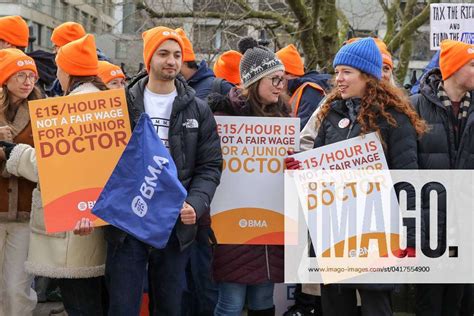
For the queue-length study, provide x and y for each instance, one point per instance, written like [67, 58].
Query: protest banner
[453, 21]
[78, 141]
[248, 205]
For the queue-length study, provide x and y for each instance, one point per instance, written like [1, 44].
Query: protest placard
[248, 205]
[341, 196]
[364, 152]
[78, 141]
[453, 21]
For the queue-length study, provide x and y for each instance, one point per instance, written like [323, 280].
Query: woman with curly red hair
[362, 103]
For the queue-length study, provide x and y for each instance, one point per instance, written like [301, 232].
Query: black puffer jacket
[194, 146]
[436, 149]
[400, 142]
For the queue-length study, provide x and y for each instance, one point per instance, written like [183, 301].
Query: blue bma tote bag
[143, 196]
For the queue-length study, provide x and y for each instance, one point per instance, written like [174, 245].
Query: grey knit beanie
[257, 63]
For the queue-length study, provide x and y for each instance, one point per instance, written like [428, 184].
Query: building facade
[97, 16]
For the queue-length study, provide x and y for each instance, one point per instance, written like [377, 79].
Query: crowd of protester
[104, 270]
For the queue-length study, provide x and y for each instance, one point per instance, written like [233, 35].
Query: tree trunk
[404, 60]
[305, 23]
[329, 39]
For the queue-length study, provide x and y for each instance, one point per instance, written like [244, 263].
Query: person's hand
[84, 227]
[6, 133]
[6, 148]
[188, 214]
[409, 252]
[291, 163]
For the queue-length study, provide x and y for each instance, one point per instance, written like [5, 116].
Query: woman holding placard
[361, 103]
[18, 75]
[247, 273]
[76, 259]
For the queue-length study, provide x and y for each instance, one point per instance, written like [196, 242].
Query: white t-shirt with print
[158, 107]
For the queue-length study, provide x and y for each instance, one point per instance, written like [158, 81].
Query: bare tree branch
[318, 25]
[305, 23]
[411, 26]
[406, 46]
[392, 15]
[251, 14]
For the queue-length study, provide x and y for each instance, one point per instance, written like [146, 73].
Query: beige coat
[61, 255]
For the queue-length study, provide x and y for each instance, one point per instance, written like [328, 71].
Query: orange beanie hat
[109, 72]
[227, 66]
[153, 38]
[14, 30]
[79, 57]
[453, 56]
[188, 53]
[13, 60]
[386, 56]
[351, 40]
[292, 60]
[66, 33]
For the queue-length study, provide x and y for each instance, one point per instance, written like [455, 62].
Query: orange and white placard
[78, 141]
[248, 205]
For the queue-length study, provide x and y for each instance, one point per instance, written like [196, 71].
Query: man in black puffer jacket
[187, 128]
[446, 103]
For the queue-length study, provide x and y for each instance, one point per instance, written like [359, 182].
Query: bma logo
[139, 206]
[147, 188]
[85, 205]
[467, 38]
[22, 63]
[116, 72]
[166, 33]
[252, 223]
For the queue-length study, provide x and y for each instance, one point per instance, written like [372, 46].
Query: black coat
[196, 151]
[436, 149]
[400, 142]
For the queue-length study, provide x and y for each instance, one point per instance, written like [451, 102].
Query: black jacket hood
[429, 84]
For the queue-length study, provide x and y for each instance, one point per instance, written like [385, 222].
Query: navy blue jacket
[434, 63]
[202, 81]
[311, 98]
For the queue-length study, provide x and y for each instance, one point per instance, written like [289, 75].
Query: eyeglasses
[21, 77]
[276, 80]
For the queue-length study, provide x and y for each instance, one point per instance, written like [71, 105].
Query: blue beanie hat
[363, 55]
